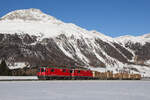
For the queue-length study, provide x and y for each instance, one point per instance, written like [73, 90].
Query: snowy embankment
[12, 78]
[75, 90]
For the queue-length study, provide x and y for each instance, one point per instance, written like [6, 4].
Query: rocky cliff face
[30, 38]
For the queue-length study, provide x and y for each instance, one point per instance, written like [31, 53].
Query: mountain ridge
[36, 42]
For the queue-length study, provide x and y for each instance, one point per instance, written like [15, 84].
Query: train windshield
[42, 69]
[38, 69]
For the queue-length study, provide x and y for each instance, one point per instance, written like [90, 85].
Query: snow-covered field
[74, 90]
[18, 78]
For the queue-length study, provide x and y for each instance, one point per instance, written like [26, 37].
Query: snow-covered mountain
[32, 38]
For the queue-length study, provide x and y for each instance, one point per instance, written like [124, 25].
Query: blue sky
[110, 17]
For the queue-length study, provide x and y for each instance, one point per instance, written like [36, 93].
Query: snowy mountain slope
[138, 45]
[134, 39]
[33, 38]
[30, 15]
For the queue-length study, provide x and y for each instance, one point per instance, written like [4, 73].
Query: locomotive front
[41, 74]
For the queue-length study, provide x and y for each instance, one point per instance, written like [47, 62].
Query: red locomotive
[52, 72]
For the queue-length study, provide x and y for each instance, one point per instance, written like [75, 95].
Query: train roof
[62, 67]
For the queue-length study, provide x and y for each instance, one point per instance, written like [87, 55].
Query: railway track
[34, 78]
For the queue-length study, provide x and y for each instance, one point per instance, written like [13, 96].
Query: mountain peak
[31, 14]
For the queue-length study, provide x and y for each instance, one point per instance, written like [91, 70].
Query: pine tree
[4, 70]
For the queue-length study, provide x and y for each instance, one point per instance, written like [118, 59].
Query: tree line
[5, 71]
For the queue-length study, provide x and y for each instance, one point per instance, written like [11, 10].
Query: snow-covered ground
[18, 78]
[75, 90]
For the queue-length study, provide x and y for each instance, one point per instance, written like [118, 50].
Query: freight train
[71, 73]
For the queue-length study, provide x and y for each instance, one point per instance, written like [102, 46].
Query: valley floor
[75, 90]
[19, 78]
